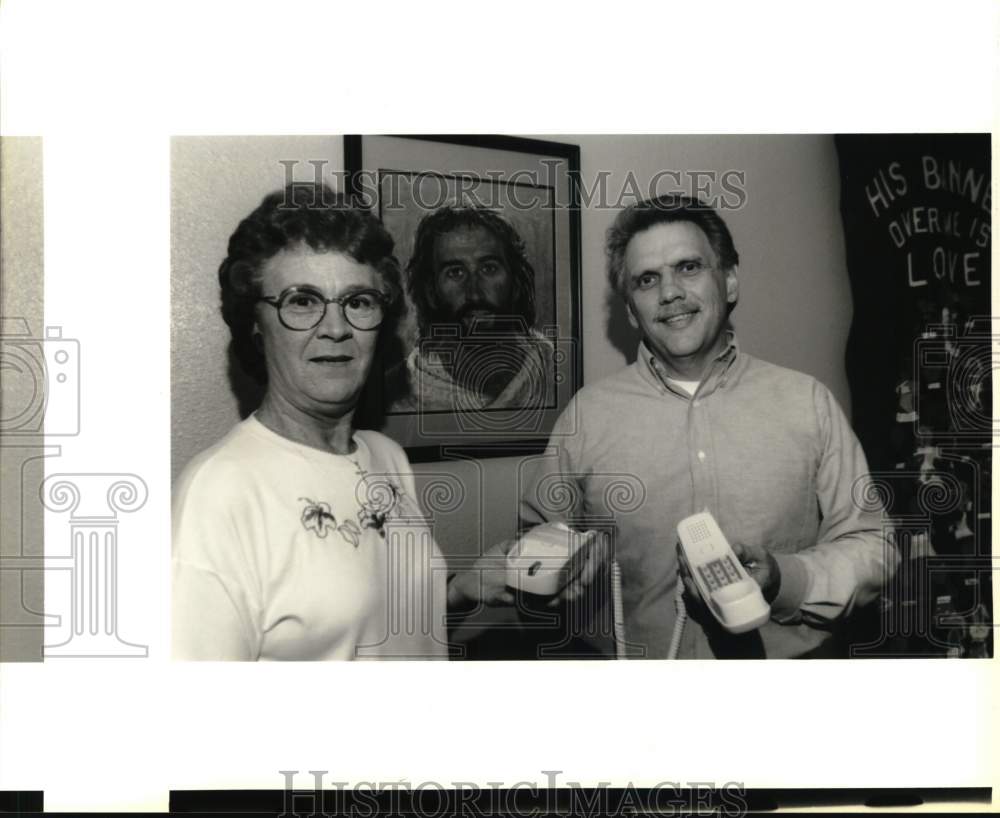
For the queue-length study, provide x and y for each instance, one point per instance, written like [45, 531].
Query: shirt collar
[653, 368]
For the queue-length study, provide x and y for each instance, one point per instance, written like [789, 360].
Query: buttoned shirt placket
[701, 455]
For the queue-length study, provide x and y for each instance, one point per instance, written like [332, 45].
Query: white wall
[794, 307]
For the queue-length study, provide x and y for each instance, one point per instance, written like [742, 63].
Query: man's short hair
[665, 209]
[421, 279]
[303, 213]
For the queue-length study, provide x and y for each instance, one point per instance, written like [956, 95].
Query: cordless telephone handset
[729, 592]
[545, 558]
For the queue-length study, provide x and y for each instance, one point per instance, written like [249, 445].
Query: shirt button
[697, 403]
[701, 456]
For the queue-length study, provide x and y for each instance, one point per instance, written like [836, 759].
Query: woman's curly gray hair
[303, 213]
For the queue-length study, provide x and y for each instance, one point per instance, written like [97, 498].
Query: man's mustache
[484, 308]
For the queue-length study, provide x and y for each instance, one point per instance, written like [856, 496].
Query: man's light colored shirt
[767, 450]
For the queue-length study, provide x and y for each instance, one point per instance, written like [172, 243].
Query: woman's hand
[485, 582]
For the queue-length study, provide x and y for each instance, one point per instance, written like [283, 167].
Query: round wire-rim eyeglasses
[303, 308]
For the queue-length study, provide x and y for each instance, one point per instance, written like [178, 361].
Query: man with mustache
[696, 423]
[474, 293]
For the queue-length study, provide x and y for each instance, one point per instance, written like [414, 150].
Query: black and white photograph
[709, 497]
[418, 409]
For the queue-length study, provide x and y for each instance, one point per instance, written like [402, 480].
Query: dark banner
[916, 212]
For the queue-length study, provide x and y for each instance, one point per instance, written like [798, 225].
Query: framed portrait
[486, 352]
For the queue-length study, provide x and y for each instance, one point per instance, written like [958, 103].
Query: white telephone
[729, 592]
[546, 557]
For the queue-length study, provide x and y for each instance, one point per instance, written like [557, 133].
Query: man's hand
[684, 572]
[757, 560]
[762, 566]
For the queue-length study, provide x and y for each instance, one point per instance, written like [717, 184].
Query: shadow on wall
[619, 331]
[248, 392]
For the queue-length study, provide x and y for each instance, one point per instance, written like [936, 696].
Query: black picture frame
[534, 185]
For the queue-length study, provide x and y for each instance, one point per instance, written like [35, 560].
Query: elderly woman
[283, 530]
